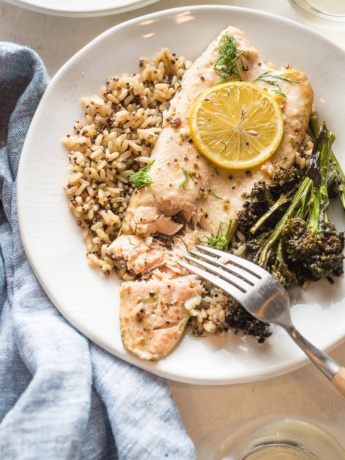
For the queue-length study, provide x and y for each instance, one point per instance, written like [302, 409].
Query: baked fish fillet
[187, 187]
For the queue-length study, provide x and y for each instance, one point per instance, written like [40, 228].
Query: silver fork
[261, 295]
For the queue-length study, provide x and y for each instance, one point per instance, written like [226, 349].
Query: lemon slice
[236, 125]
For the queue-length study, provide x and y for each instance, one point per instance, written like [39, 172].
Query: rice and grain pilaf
[120, 130]
[116, 139]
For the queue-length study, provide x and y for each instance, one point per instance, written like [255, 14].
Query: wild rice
[121, 127]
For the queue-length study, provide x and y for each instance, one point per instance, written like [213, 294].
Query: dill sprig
[219, 240]
[133, 244]
[183, 241]
[273, 79]
[229, 57]
[208, 192]
[187, 175]
[141, 178]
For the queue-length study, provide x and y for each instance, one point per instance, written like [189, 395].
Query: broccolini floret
[293, 238]
[267, 202]
[313, 254]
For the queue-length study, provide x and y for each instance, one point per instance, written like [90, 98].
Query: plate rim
[88, 12]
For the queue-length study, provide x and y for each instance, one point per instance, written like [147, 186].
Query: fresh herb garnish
[133, 244]
[208, 192]
[227, 64]
[187, 175]
[183, 241]
[141, 178]
[219, 240]
[273, 79]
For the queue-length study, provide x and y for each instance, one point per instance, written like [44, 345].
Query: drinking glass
[326, 9]
[288, 438]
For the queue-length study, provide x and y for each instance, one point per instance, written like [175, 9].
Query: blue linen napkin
[62, 397]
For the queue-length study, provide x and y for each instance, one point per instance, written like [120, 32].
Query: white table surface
[209, 413]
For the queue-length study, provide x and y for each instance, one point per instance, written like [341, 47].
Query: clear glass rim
[322, 14]
[297, 433]
[287, 444]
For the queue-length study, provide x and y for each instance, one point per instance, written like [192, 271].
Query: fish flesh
[189, 199]
[152, 317]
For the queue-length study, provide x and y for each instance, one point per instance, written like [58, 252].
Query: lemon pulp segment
[236, 125]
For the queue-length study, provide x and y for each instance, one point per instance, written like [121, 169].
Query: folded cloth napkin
[62, 397]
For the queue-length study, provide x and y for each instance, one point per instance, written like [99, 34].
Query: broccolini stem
[281, 200]
[313, 222]
[340, 176]
[300, 199]
[321, 153]
[314, 125]
[335, 170]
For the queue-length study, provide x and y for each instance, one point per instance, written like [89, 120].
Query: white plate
[81, 8]
[53, 242]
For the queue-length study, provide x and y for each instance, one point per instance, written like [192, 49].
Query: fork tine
[226, 276]
[228, 267]
[231, 289]
[258, 271]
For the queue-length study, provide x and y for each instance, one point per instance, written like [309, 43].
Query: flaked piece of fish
[154, 313]
[186, 183]
[144, 255]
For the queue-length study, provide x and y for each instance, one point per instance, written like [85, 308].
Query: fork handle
[339, 380]
[330, 368]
